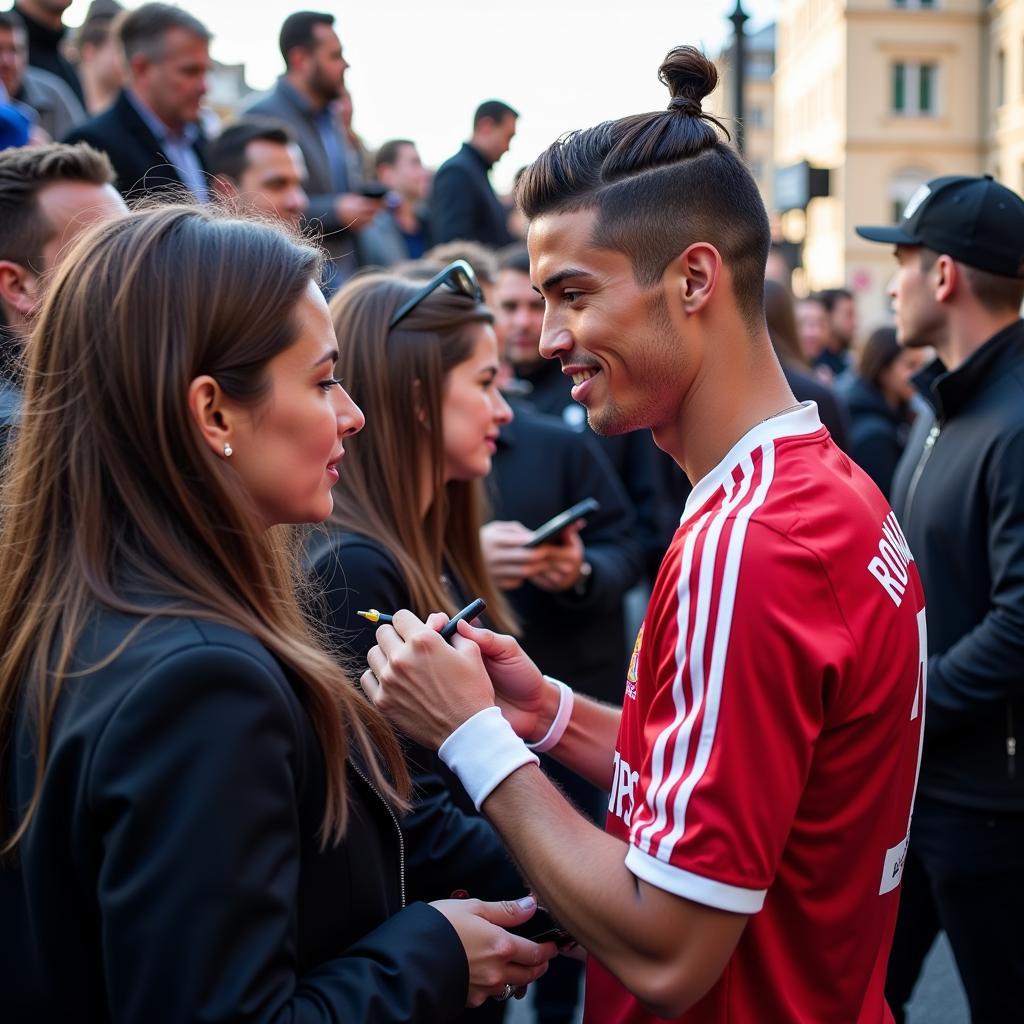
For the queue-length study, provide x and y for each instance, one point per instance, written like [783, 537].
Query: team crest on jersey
[631, 674]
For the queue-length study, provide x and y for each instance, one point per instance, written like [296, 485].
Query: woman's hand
[496, 958]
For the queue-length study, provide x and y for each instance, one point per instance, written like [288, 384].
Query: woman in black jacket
[199, 809]
[879, 398]
[405, 528]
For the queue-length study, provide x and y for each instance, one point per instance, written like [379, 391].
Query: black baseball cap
[977, 221]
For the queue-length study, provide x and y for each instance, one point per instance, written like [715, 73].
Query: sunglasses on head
[457, 276]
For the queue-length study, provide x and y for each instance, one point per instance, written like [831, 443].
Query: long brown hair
[780, 316]
[110, 477]
[398, 379]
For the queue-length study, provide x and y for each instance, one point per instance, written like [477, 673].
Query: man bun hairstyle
[660, 182]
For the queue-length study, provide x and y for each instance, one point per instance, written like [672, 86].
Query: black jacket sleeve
[446, 847]
[987, 664]
[195, 779]
[877, 451]
[610, 542]
[453, 204]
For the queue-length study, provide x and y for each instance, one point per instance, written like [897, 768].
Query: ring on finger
[506, 993]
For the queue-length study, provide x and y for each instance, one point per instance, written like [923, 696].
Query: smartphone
[373, 190]
[555, 526]
[542, 927]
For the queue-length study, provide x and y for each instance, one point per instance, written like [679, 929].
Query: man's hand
[527, 701]
[509, 562]
[563, 561]
[425, 685]
[355, 211]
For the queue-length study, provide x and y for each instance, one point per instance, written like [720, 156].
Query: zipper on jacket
[929, 444]
[1011, 744]
[398, 828]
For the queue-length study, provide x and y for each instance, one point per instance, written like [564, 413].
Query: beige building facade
[887, 94]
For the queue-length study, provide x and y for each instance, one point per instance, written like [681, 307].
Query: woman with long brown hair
[422, 360]
[780, 315]
[199, 808]
[413, 490]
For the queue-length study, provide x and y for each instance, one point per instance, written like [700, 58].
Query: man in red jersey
[762, 767]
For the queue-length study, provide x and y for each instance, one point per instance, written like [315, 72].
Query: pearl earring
[228, 450]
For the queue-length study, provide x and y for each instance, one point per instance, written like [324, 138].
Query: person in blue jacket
[199, 808]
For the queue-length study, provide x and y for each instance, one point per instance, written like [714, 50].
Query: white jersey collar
[797, 423]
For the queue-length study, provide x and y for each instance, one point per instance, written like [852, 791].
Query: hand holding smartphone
[555, 526]
[542, 927]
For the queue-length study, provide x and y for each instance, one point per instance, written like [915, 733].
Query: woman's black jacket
[173, 870]
[448, 845]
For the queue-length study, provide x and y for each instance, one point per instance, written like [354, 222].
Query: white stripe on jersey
[655, 801]
[719, 652]
[706, 688]
[678, 732]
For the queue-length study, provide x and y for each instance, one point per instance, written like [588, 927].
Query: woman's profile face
[473, 410]
[288, 448]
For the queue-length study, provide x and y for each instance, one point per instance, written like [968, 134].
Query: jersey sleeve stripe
[658, 754]
[719, 654]
[690, 886]
[673, 743]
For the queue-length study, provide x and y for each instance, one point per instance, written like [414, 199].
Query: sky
[419, 68]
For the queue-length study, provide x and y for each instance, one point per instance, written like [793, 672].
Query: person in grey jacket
[303, 96]
[959, 494]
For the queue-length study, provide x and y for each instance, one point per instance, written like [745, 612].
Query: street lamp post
[739, 18]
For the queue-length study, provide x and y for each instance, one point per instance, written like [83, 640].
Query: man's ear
[138, 65]
[213, 417]
[19, 288]
[693, 276]
[945, 276]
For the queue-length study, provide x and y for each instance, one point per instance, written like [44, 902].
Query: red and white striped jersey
[771, 730]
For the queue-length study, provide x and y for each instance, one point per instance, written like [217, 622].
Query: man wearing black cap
[959, 494]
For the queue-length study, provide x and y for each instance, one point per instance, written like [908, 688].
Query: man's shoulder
[41, 86]
[107, 127]
[460, 163]
[275, 102]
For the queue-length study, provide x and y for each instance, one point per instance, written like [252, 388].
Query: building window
[756, 117]
[1000, 78]
[915, 88]
[910, 5]
[756, 169]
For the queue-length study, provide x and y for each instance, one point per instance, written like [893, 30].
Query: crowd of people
[260, 387]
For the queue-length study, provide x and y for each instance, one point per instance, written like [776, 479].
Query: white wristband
[483, 752]
[561, 720]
